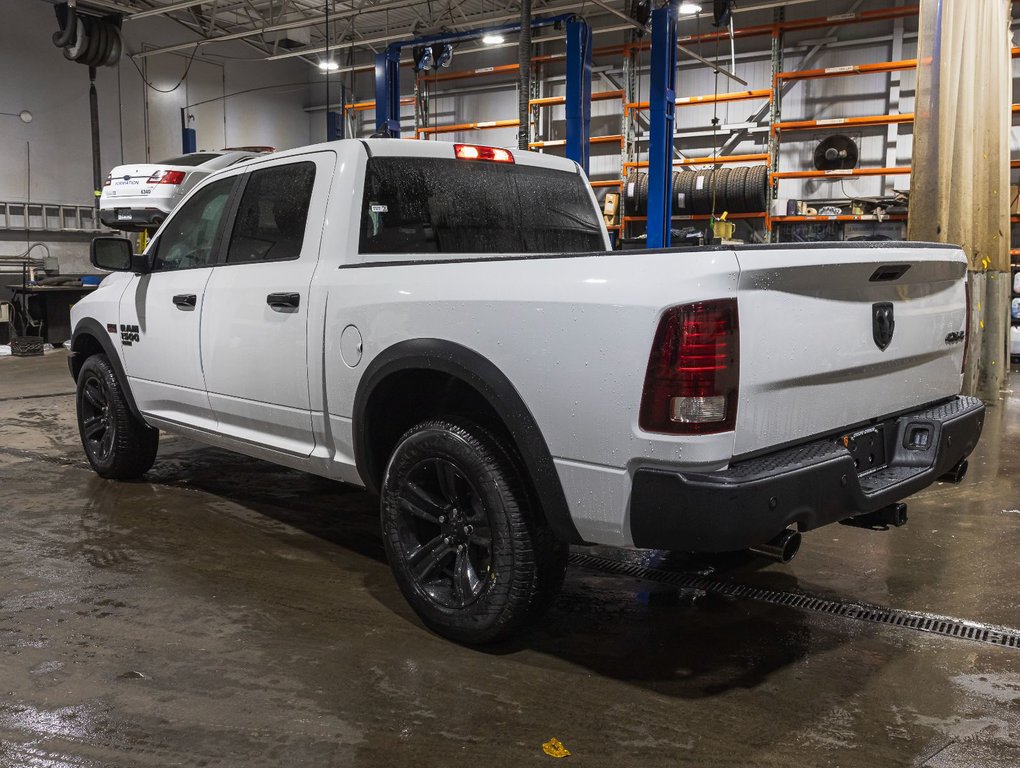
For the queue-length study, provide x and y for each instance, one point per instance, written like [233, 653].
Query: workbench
[50, 304]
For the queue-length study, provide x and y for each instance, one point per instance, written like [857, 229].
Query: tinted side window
[430, 205]
[270, 224]
[190, 235]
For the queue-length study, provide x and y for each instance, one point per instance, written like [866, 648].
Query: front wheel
[117, 444]
[468, 551]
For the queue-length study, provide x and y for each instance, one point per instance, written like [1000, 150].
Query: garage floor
[231, 613]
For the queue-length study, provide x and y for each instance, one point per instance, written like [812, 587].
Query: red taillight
[475, 152]
[693, 372]
[167, 177]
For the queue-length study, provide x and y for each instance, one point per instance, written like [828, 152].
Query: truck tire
[630, 195]
[756, 189]
[701, 193]
[687, 188]
[735, 190]
[467, 551]
[117, 444]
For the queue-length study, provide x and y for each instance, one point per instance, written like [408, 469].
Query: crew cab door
[160, 312]
[255, 322]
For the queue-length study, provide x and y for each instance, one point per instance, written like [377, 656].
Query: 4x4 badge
[883, 323]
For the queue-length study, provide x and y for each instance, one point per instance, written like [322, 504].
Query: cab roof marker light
[476, 152]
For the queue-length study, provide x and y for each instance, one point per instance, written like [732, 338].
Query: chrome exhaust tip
[957, 473]
[782, 548]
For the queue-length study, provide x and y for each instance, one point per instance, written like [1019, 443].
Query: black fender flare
[493, 385]
[88, 326]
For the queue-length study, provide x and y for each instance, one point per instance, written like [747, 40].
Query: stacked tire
[742, 189]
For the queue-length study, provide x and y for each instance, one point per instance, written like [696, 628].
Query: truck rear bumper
[808, 485]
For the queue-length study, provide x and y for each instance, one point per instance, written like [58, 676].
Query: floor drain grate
[922, 622]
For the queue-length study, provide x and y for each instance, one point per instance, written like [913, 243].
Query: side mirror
[115, 254]
[111, 253]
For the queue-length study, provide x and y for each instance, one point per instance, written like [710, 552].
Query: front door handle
[185, 300]
[283, 302]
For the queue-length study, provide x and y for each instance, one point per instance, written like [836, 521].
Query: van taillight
[692, 381]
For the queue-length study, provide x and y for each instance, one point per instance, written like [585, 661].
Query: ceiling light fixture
[328, 66]
[492, 39]
[689, 9]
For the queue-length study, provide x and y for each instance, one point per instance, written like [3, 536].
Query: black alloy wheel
[445, 533]
[98, 429]
[117, 443]
[467, 542]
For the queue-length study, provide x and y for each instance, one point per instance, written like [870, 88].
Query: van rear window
[437, 206]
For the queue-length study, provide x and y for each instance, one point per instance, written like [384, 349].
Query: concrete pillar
[959, 187]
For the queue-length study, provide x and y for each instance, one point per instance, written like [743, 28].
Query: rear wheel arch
[426, 378]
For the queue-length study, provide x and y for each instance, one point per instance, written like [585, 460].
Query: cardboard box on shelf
[611, 203]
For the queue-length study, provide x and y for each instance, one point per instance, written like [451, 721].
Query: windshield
[435, 206]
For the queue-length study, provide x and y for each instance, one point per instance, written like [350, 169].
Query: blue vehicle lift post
[661, 113]
[189, 139]
[387, 68]
[578, 97]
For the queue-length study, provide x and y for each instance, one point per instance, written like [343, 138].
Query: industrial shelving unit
[771, 114]
[1014, 253]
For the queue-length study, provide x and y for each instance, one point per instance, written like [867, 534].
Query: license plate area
[123, 214]
[867, 447]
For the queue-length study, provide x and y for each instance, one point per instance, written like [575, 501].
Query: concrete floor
[230, 613]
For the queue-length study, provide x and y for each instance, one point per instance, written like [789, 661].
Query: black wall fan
[836, 153]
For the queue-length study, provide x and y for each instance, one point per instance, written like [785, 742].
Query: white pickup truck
[446, 325]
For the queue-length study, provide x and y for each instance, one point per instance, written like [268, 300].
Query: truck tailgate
[810, 356]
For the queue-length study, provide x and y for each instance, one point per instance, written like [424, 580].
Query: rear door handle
[281, 302]
[185, 300]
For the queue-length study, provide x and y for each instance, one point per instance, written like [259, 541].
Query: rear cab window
[272, 213]
[437, 208]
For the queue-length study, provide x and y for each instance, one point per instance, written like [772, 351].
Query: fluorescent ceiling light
[492, 39]
[689, 9]
[328, 66]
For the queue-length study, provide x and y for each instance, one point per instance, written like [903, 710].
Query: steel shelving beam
[901, 170]
[661, 113]
[853, 122]
[710, 98]
[711, 160]
[577, 104]
[881, 67]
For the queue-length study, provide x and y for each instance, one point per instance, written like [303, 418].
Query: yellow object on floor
[555, 748]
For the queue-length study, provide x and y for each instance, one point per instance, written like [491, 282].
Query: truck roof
[418, 148]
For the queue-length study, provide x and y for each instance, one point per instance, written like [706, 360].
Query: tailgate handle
[889, 272]
[283, 302]
[185, 300]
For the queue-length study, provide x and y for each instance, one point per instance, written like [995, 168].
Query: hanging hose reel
[94, 41]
